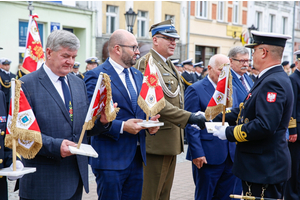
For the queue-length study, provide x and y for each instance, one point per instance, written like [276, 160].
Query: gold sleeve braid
[238, 134]
[292, 123]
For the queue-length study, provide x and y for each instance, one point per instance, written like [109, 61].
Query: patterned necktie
[131, 90]
[244, 84]
[67, 96]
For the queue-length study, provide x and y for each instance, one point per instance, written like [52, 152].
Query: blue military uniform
[5, 153]
[293, 184]
[258, 126]
[197, 76]
[5, 78]
[76, 66]
[188, 77]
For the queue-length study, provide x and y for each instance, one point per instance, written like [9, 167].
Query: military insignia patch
[271, 97]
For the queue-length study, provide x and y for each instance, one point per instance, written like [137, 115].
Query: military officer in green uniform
[262, 158]
[161, 149]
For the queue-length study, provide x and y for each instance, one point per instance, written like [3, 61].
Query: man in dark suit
[262, 158]
[121, 149]
[239, 61]
[188, 76]
[293, 184]
[59, 102]
[212, 158]
[5, 78]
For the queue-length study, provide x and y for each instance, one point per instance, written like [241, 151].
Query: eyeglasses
[134, 47]
[254, 49]
[242, 61]
[168, 38]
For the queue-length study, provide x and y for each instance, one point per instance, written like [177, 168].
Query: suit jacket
[169, 138]
[201, 143]
[241, 91]
[295, 80]
[262, 154]
[116, 151]
[5, 153]
[55, 177]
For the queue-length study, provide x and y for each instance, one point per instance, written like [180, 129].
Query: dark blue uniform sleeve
[293, 131]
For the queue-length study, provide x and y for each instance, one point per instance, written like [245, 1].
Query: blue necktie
[131, 90]
[67, 96]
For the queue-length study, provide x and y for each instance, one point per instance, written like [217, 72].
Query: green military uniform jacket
[169, 138]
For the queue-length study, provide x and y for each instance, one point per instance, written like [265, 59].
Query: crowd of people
[256, 155]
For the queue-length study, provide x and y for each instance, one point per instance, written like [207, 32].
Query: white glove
[19, 167]
[195, 126]
[200, 113]
[220, 132]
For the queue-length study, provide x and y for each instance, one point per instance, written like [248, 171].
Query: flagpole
[90, 109]
[13, 93]
[224, 106]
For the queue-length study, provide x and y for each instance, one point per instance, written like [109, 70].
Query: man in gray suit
[59, 102]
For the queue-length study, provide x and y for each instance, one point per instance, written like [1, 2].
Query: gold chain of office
[6, 86]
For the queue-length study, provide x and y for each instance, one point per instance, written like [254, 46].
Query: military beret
[292, 66]
[166, 28]
[275, 39]
[284, 63]
[199, 64]
[76, 65]
[92, 60]
[187, 62]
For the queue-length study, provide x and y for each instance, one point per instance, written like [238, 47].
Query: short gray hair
[62, 38]
[237, 50]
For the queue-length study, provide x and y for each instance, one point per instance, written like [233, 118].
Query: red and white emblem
[271, 97]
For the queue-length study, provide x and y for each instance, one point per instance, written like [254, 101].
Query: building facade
[57, 15]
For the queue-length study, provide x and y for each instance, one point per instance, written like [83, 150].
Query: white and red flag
[22, 125]
[151, 99]
[34, 54]
[102, 99]
[218, 100]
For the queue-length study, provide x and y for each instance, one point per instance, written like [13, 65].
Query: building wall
[210, 32]
[80, 20]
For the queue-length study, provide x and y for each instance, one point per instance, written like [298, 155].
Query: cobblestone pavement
[183, 185]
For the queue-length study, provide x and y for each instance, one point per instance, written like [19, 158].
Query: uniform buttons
[0, 147]
[1, 161]
[1, 176]
[2, 132]
[179, 125]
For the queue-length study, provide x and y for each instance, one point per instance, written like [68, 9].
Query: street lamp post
[30, 7]
[251, 28]
[130, 17]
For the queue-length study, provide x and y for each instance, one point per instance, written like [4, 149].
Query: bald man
[212, 158]
[121, 149]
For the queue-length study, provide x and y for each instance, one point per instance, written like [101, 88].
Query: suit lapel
[208, 87]
[160, 63]
[238, 82]
[116, 81]
[49, 87]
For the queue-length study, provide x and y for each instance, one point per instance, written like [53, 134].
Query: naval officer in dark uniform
[188, 75]
[5, 78]
[198, 70]
[293, 184]
[262, 158]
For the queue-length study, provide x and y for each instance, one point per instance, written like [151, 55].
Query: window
[142, 23]
[258, 20]
[202, 9]
[170, 17]
[203, 53]
[297, 25]
[221, 11]
[284, 25]
[272, 23]
[235, 12]
[111, 18]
